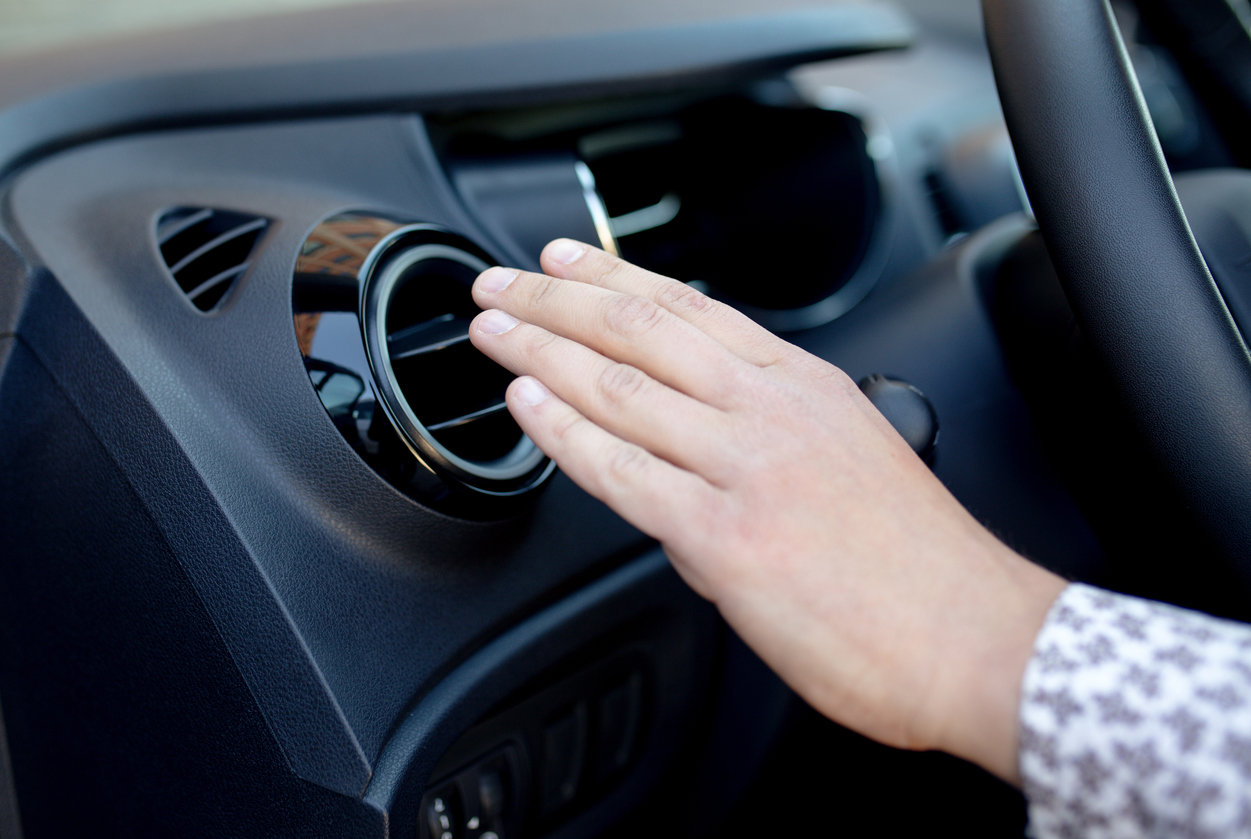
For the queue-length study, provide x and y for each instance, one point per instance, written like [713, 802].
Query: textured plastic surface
[300, 566]
[299, 602]
[419, 56]
[1112, 222]
[219, 596]
[306, 562]
[117, 673]
[303, 603]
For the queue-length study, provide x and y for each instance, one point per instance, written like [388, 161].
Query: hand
[779, 493]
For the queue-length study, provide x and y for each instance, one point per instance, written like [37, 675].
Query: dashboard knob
[907, 409]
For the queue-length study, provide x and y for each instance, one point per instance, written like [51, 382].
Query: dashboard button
[441, 814]
[616, 726]
[564, 750]
[491, 795]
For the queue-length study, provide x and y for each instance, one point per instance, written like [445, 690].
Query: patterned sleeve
[1136, 721]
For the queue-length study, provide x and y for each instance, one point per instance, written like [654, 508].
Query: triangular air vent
[207, 250]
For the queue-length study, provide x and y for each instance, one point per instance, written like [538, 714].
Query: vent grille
[207, 250]
[445, 397]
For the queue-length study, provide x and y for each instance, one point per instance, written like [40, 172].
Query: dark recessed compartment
[774, 207]
[770, 200]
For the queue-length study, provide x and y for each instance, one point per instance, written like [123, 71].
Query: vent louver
[207, 250]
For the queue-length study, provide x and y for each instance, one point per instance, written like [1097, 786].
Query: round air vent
[432, 417]
[444, 396]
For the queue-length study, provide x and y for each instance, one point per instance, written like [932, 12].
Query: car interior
[278, 562]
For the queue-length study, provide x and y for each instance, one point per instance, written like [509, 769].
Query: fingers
[618, 397]
[570, 260]
[622, 327]
[657, 497]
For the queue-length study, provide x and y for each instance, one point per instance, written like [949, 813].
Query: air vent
[207, 250]
[445, 398]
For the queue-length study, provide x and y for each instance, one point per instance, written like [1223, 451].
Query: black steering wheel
[1135, 279]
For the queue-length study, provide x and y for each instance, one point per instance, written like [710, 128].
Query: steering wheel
[1139, 288]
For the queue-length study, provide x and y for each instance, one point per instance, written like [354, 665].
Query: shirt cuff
[1136, 721]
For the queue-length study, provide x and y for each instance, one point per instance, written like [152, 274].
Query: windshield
[33, 25]
[40, 24]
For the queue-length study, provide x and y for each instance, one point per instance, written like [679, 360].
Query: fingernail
[530, 392]
[495, 280]
[495, 322]
[565, 251]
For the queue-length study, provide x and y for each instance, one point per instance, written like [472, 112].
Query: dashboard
[276, 561]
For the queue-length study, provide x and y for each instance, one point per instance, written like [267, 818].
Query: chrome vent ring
[445, 399]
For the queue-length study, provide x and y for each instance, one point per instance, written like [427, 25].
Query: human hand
[779, 493]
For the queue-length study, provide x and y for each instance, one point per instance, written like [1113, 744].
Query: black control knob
[907, 409]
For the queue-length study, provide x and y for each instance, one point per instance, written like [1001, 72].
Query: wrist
[978, 698]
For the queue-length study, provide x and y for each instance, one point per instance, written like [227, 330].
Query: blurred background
[31, 25]
[36, 24]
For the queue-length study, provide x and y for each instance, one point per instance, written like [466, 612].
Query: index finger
[570, 260]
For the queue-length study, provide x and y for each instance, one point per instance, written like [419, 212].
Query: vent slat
[224, 239]
[457, 422]
[171, 225]
[429, 336]
[207, 250]
[208, 285]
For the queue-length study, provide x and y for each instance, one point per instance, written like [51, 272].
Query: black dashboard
[277, 563]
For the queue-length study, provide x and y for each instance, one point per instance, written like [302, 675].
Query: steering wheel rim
[1138, 285]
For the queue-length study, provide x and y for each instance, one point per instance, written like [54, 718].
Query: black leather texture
[1131, 269]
